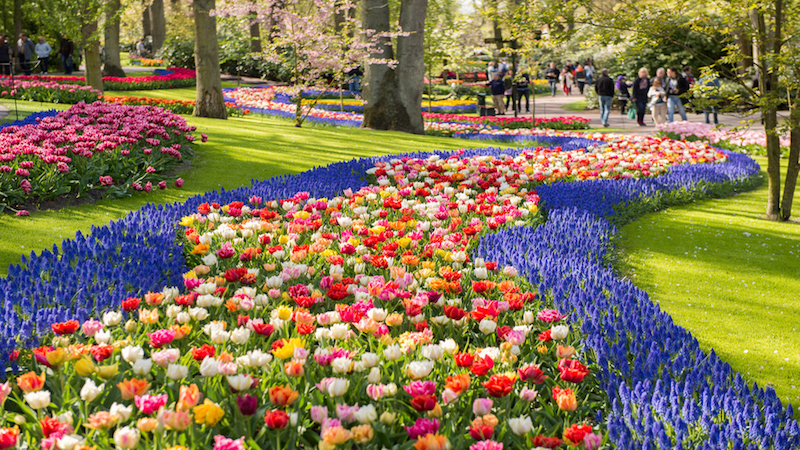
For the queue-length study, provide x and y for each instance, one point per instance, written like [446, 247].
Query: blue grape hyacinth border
[665, 392]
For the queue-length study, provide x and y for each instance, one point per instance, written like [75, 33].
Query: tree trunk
[411, 54]
[12, 41]
[792, 171]
[91, 56]
[382, 110]
[158, 23]
[255, 33]
[206, 58]
[147, 29]
[112, 66]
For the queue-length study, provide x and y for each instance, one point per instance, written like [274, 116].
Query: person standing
[141, 50]
[523, 83]
[566, 80]
[508, 80]
[354, 79]
[589, 69]
[605, 91]
[491, 69]
[624, 93]
[26, 52]
[580, 78]
[5, 55]
[711, 89]
[43, 50]
[497, 88]
[687, 72]
[658, 102]
[65, 50]
[640, 88]
[503, 67]
[677, 86]
[551, 74]
[661, 74]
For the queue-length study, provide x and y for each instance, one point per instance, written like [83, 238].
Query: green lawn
[577, 106]
[238, 150]
[26, 108]
[728, 276]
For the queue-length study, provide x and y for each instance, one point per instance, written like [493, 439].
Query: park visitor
[43, 50]
[508, 80]
[551, 75]
[687, 72]
[26, 51]
[677, 85]
[566, 80]
[491, 69]
[498, 89]
[589, 69]
[65, 52]
[5, 55]
[658, 102]
[605, 91]
[661, 74]
[580, 78]
[140, 48]
[354, 79]
[624, 94]
[711, 89]
[640, 88]
[523, 83]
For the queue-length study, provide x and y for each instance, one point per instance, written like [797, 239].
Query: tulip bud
[19, 419]
[130, 327]
[106, 372]
[388, 418]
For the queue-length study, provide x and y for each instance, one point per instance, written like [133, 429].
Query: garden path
[3, 112]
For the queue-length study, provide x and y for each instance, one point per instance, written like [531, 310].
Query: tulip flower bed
[173, 77]
[752, 142]
[556, 123]
[176, 106]
[47, 91]
[356, 105]
[115, 148]
[322, 311]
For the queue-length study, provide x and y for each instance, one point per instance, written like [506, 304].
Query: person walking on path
[640, 88]
[589, 69]
[354, 79]
[491, 69]
[677, 86]
[26, 52]
[498, 89]
[624, 94]
[566, 80]
[658, 102]
[43, 50]
[5, 55]
[552, 77]
[605, 91]
[580, 78]
[65, 51]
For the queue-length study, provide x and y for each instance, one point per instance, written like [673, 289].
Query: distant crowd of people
[27, 54]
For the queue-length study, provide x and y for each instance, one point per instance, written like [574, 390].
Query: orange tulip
[432, 442]
[282, 395]
[189, 397]
[30, 382]
[132, 387]
[565, 399]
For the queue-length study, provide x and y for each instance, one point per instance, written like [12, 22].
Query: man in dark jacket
[605, 91]
[498, 89]
[65, 50]
[26, 52]
[677, 86]
[639, 90]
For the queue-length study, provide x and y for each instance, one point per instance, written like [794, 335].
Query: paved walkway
[548, 106]
[3, 112]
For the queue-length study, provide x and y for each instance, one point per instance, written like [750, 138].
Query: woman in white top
[658, 102]
[43, 50]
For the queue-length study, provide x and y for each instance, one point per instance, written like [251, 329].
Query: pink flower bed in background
[703, 131]
[178, 78]
[46, 91]
[89, 146]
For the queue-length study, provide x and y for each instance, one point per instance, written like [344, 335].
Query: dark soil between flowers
[72, 199]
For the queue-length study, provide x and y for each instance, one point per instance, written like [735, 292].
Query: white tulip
[102, 337]
[419, 369]
[487, 326]
[177, 372]
[520, 425]
[90, 390]
[132, 353]
[124, 412]
[69, 441]
[366, 414]
[342, 365]
[209, 367]
[240, 335]
[339, 331]
[433, 352]
[198, 314]
[112, 318]
[370, 359]
[392, 352]
[240, 382]
[338, 387]
[38, 399]
[559, 332]
[374, 376]
[142, 367]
